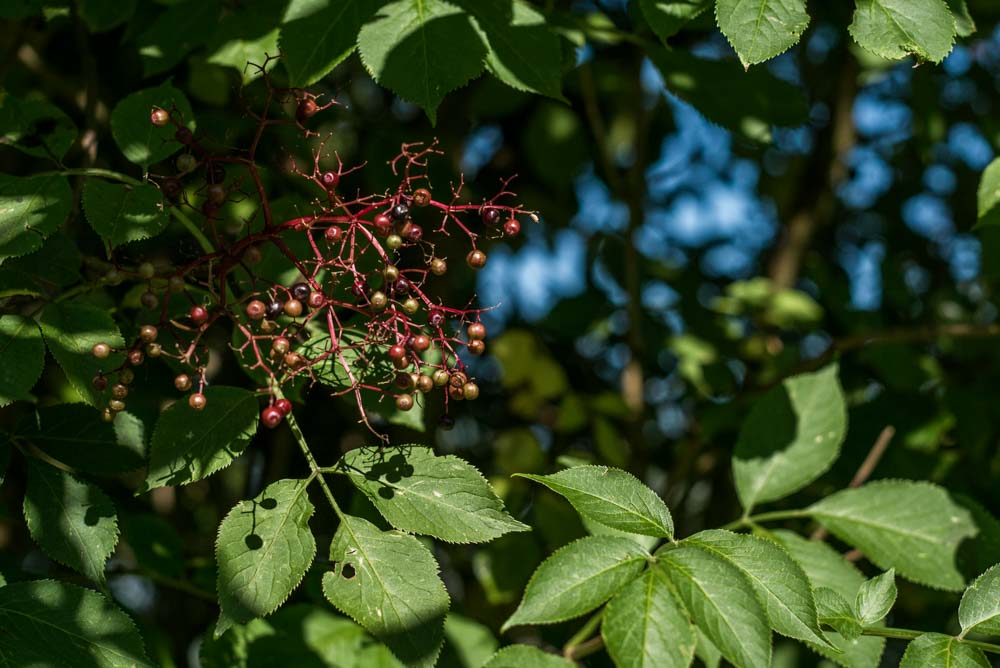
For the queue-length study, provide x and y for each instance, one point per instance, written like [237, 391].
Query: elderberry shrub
[361, 317]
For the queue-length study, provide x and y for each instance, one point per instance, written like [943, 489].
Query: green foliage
[761, 29]
[525, 656]
[75, 435]
[936, 650]
[979, 611]
[139, 140]
[876, 597]
[24, 354]
[30, 210]
[71, 329]
[317, 35]
[36, 127]
[667, 17]
[894, 29]
[989, 195]
[122, 213]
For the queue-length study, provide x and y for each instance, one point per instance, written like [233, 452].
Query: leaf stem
[579, 639]
[910, 634]
[203, 241]
[314, 467]
[96, 171]
[773, 516]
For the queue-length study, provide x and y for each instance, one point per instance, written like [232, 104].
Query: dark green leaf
[936, 650]
[667, 17]
[964, 24]
[74, 434]
[23, 355]
[122, 213]
[245, 36]
[175, 33]
[101, 15]
[139, 140]
[526, 656]
[31, 209]
[157, 546]
[35, 127]
[989, 195]
[319, 34]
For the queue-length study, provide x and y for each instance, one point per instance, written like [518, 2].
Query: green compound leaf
[612, 497]
[35, 127]
[526, 656]
[139, 140]
[72, 521]
[318, 35]
[988, 196]
[189, 445]
[936, 650]
[913, 527]
[895, 29]
[388, 582]
[979, 611]
[577, 578]
[31, 209]
[667, 17]
[121, 213]
[419, 492]
[263, 550]
[761, 29]
[422, 50]
[780, 583]
[722, 602]
[835, 611]
[644, 625]
[49, 623]
[876, 597]
[71, 329]
[791, 437]
[75, 434]
[23, 355]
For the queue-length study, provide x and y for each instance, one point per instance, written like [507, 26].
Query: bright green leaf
[979, 611]
[74, 522]
[644, 625]
[319, 34]
[263, 550]
[791, 437]
[612, 497]
[989, 195]
[780, 583]
[189, 445]
[913, 527]
[139, 140]
[35, 127]
[876, 597]
[894, 29]
[526, 656]
[422, 50]
[23, 355]
[388, 582]
[835, 611]
[45, 623]
[31, 209]
[722, 602]
[761, 29]
[419, 492]
[577, 578]
[667, 17]
[122, 213]
[75, 434]
[936, 650]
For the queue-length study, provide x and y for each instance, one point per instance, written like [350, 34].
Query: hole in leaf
[347, 571]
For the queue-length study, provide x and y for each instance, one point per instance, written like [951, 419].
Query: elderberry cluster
[362, 318]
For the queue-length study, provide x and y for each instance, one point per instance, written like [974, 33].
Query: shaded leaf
[176, 32]
[23, 355]
[31, 209]
[140, 141]
[35, 127]
[761, 29]
[472, 643]
[317, 35]
[121, 213]
[979, 611]
[101, 15]
[667, 17]
[894, 29]
[936, 650]
[244, 37]
[75, 434]
[964, 24]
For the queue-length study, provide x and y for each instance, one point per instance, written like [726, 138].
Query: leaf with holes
[139, 140]
[31, 209]
[263, 550]
[74, 522]
[49, 623]
[645, 625]
[791, 437]
[317, 35]
[876, 597]
[189, 445]
[979, 611]
[577, 578]
[121, 213]
[388, 582]
[913, 527]
[612, 497]
[75, 434]
[420, 492]
[23, 355]
[895, 29]
[761, 29]
[936, 650]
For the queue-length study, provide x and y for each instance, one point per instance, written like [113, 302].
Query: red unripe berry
[512, 227]
[436, 319]
[476, 259]
[293, 360]
[333, 234]
[420, 343]
[307, 109]
[477, 330]
[413, 232]
[397, 352]
[159, 117]
[182, 382]
[421, 197]
[316, 299]
[293, 308]
[283, 405]
[197, 401]
[477, 346]
[198, 314]
[329, 180]
[256, 310]
[382, 224]
[271, 417]
[458, 379]
[281, 345]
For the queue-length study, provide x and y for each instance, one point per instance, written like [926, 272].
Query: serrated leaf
[524, 52]
[612, 497]
[101, 15]
[55, 265]
[388, 582]
[644, 625]
[979, 611]
[936, 650]
[791, 437]
[74, 522]
[707, 652]
[23, 355]
[876, 597]
[964, 24]
[74, 434]
[526, 656]
[189, 445]
[894, 29]
[140, 141]
[121, 213]
[419, 492]
[318, 35]
[835, 611]
[49, 623]
[264, 549]
[245, 37]
[761, 29]
[35, 127]
[780, 583]
[175, 33]
[422, 50]
[471, 642]
[667, 17]
[577, 578]
[988, 196]
[722, 603]
[31, 209]
[710, 86]
[913, 527]
[71, 329]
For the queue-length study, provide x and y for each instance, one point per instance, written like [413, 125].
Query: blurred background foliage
[702, 236]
